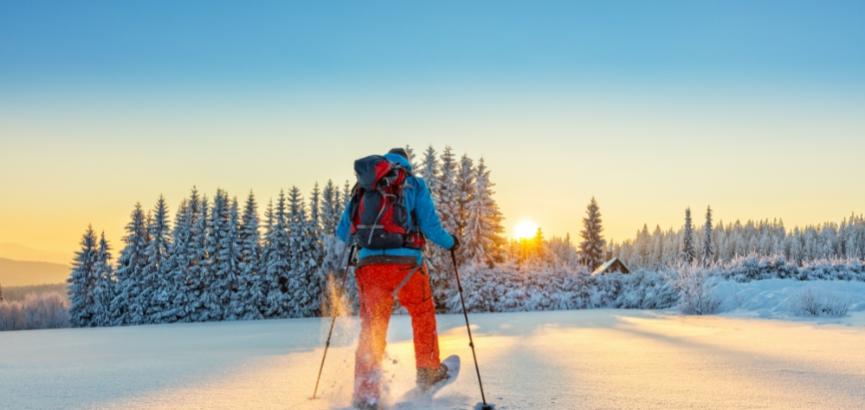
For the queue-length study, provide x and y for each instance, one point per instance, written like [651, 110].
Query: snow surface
[538, 360]
[781, 298]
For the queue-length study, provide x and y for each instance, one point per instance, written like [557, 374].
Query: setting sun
[525, 230]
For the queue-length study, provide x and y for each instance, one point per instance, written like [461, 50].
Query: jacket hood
[399, 159]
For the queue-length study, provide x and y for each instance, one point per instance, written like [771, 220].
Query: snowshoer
[389, 216]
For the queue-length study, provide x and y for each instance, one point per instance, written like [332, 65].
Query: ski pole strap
[405, 280]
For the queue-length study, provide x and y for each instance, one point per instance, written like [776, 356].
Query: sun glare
[525, 230]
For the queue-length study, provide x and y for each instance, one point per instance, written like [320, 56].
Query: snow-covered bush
[36, 311]
[696, 296]
[813, 304]
[506, 288]
[777, 267]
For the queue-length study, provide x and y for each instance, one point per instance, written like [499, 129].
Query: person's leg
[376, 303]
[416, 297]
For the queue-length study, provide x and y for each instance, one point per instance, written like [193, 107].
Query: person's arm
[427, 218]
[342, 229]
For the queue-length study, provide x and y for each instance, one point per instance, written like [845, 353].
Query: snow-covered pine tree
[436, 259]
[173, 297]
[540, 246]
[268, 218]
[483, 241]
[199, 272]
[476, 241]
[332, 248]
[82, 281]
[125, 306]
[219, 264]
[708, 246]
[251, 294]
[153, 281]
[643, 246]
[592, 245]
[276, 263]
[465, 192]
[103, 290]
[329, 216]
[315, 207]
[230, 297]
[305, 281]
[411, 157]
[445, 197]
[493, 228]
[657, 247]
[429, 170]
[346, 194]
[447, 192]
[688, 252]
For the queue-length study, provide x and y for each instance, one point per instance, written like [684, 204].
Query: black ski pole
[333, 321]
[469, 329]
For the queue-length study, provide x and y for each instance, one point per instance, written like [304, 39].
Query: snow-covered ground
[547, 360]
[787, 298]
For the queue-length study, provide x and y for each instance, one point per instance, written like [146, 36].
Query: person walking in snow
[389, 217]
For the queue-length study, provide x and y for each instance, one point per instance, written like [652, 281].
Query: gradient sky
[757, 108]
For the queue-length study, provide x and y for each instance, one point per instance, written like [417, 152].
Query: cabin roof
[606, 266]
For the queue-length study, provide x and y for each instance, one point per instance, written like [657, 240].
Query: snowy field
[546, 360]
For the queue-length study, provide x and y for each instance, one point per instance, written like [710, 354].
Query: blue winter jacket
[418, 199]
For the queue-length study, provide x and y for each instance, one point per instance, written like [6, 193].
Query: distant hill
[26, 273]
[21, 252]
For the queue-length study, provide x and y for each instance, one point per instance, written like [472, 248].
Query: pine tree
[126, 305]
[593, 244]
[154, 281]
[314, 207]
[329, 200]
[332, 247]
[429, 170]
[82, 281]
[657, 247]
[305, 282]
[199, 272]
[251, 295]
[688, 252]
[539, 245]
[230, 248]
[445, 197]
[276, 263]
[484, 241]
[103, 290]
[708, 247]
[346, 194]
[447, 191]
[173, 297]
[220, 263]
[268, 219]
[465, 192]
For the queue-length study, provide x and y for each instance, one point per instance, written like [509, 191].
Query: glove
[456, 243]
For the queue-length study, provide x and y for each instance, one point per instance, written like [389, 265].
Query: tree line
[218, 261]
[706, 244]
[710, 243]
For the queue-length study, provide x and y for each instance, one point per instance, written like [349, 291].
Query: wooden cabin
[614, 265]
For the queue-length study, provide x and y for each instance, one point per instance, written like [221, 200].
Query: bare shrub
[811, 304]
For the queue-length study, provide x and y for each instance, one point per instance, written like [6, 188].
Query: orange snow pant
[377, 284]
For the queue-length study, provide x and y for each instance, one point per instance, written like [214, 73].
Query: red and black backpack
[379, 219]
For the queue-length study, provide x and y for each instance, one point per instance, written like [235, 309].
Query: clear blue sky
[755, 107]
[307, 44]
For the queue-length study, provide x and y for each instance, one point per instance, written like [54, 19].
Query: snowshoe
[430, 381]
[366, 405]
